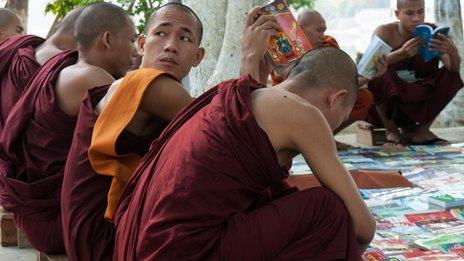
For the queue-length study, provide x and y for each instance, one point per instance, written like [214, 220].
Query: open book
[427, 33]
[291, 43]
[367, 66]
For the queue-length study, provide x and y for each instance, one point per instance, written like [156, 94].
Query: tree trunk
[221, 40]
[20, 7]
[212, 14]
[448, 13]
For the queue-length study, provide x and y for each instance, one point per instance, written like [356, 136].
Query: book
[447, 201]
[367, 66]
[291, 43]
[438, 241]
[426, 33]
[437, 222]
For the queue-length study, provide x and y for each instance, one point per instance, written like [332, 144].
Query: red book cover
[291, 43]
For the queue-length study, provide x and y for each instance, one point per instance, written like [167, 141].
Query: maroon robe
[194, 195]
[414, 103]
[17, 66]
[35, 143]
[84, 193]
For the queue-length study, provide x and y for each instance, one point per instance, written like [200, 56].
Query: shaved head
[98, 18]
[309, 16]
[313, 25]
[10, 24]
[402, 3]
[327, 67]
[179, 7]
[68, 23]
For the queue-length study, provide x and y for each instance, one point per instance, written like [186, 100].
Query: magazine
[291, 43]
[367, 66]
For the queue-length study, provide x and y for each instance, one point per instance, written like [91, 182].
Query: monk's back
[199, 193]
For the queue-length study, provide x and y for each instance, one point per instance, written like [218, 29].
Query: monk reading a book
[116, 127]
[39, 130]
[22, 56]
[414, 104]
[206, 190]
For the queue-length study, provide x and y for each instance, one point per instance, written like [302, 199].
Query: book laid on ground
[446, 201]
[291, 43]
[427, 33]
[437, 222]
[367, 66]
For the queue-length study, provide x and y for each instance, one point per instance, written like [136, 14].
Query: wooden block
[45, 257]
[23, 241]
[369, 135]
[8, 230]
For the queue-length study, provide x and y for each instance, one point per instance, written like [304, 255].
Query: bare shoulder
[288, 107]
[84, 76]
[387, 32]
[104, 101]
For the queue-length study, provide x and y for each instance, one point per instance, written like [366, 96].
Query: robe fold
[193, 195]
[110, 124]
[35, 143]
[17, 66]
[84, 197]
[414, 103]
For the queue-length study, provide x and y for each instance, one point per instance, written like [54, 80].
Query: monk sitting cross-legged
[39, 130]
[202, 192]
[115, 129]
[413, 105]
[22, 56]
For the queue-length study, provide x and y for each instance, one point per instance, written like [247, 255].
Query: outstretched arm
[320, 152]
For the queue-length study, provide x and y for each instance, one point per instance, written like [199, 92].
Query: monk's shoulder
[85, 76]
[286, 107]
[387, 32]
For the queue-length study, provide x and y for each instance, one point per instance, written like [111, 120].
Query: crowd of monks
[103, 161]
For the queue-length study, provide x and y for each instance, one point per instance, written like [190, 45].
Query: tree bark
[21, 8]
[212, 15]
[223, 21]
[448, 13]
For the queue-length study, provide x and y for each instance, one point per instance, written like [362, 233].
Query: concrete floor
[454, 135]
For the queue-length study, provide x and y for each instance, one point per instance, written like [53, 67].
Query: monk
[39, 130]
[413, 106]
[119, 126]
[22, 56]
[314, 27]
[10, 24]
[202, 190]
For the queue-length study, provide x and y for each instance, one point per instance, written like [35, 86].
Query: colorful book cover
[426, 33]
[291, 43]
[437, 222]
[447, 200]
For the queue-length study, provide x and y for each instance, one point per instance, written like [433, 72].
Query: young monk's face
[410, 13]
[172, 43]
[123, 50]
[15, 27]
[314, 29]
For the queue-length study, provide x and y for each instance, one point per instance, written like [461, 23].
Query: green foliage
[297, 4]
[140, 10]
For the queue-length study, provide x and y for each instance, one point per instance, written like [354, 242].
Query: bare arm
[409, 49]
[451, 58]
[164, 98]
[258, 30]
[320, 152]
[73, 84]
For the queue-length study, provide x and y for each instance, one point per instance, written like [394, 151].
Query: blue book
[427, 33]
